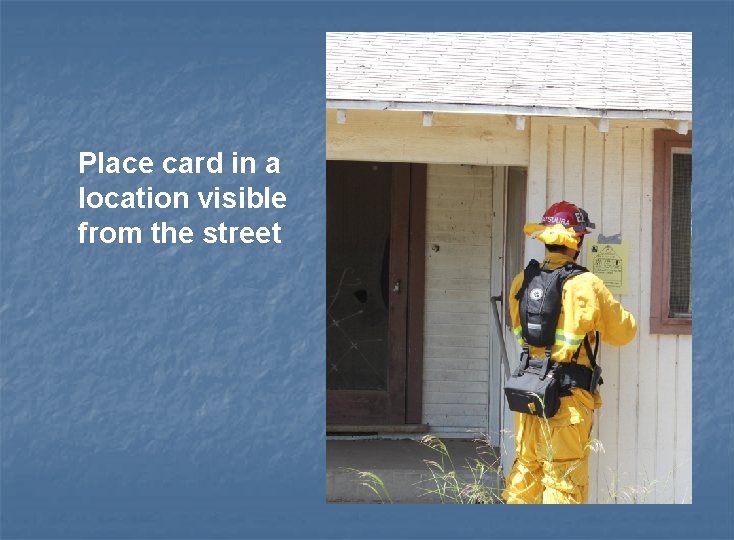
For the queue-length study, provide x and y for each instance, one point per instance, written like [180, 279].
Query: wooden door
[368, 293]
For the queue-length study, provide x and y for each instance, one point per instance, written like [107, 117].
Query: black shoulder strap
[531, 270]
[587, 345]
[572, 270]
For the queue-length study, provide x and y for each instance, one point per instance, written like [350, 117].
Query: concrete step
[401, 466]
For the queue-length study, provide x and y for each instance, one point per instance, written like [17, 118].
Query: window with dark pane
[680, 235]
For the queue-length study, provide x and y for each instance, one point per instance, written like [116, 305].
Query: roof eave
[508, 109]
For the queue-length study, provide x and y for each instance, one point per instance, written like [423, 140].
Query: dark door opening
[375, 215]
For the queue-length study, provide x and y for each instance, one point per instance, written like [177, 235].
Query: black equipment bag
[533, 388]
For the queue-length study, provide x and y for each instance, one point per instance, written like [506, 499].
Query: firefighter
[552, 454]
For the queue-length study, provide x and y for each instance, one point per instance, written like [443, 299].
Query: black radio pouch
[533, 388]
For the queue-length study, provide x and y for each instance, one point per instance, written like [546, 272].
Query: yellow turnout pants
[552, 461]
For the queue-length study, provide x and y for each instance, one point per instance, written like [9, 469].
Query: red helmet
[569, 215]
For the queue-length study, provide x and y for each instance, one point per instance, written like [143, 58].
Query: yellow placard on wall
[610, 262]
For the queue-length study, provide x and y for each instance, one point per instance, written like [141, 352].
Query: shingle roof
[596, 71]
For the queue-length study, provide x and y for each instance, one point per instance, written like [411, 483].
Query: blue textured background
[165, 392]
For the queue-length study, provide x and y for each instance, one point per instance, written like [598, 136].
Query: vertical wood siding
[456, 342]
[645, 423]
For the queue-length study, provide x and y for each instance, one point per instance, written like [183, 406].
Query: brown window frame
[660, 320]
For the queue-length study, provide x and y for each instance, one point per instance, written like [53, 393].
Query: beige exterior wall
[457, 324]
[645, 424]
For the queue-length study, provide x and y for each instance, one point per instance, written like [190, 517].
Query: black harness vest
[540, 298]
[540, 301]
